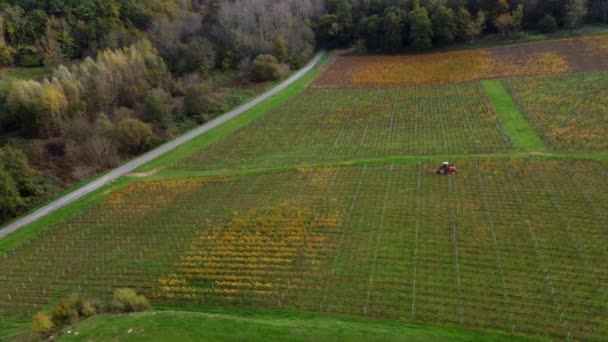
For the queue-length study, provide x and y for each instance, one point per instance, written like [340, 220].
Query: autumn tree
[576, 10]
[10, 199]
[134, 135]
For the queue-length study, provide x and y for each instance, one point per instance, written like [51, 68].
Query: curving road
[134, 164]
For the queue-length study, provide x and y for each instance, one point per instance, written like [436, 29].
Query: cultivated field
[569, 111]
[552, 57]
[329, 125]
[329, 203]
[506, 245]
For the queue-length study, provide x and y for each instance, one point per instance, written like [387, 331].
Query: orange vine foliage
[257, 254]
[144, 198]
[541, 58]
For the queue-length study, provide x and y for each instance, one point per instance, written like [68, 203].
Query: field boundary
[151, 155]
[522, 134]
[397, 160]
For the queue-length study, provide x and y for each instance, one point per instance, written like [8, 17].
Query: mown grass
[262, 326]
[518, 128]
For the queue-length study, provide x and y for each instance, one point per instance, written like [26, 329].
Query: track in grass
[512, 246]
[519, 129]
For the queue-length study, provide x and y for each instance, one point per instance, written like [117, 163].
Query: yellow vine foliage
[540, 63]
[144, 198]
[259, 253]
[439, 68]
[596, 46]
[455, 67]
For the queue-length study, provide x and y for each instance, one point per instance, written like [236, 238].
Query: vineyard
[569, 111]
[329, 125]
[552, 57]
[329, 203]
[394, 242]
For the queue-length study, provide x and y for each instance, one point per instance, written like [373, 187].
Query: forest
[121, 76]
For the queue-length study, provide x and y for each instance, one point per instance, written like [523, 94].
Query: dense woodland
[124, 75]
[391, 26]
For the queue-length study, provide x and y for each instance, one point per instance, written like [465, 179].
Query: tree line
[125, 75]
[395, 25]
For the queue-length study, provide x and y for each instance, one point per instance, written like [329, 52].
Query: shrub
[197, 101]
[134, 136]
[196, 56]
[42, 324]
[267, 68]
[547, 24]
[62, 312]
[126, 300]
[82, 306]
[157, 107]
[28, 56]
[6, 55]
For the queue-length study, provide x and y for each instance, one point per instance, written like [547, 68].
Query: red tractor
[447, 169]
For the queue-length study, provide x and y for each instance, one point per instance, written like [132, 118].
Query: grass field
[194, 326]
[324, 200]
[8, 75]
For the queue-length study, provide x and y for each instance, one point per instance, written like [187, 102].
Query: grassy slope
[14, 74]
[261, 326]
[518, 128]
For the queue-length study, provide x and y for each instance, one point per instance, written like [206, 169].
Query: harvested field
[329, 125]
[506, 245]
[570, 112]
[545, 58]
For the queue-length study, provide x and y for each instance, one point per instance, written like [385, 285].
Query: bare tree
[255, 24]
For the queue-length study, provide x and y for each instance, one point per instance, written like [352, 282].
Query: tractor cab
[446, 169]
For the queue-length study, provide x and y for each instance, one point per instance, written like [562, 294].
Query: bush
[82, 306]
[135, 136]
[126, 300]
[157, 107]
[28, 56]
[6, 55]
[62, 312]
[267, 68]
[197, 102]
[42, 324]
[196, 56]
[547, 24]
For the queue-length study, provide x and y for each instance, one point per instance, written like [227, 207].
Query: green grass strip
[518, 128]
[169, 174]
[264, 326]
[236, 123]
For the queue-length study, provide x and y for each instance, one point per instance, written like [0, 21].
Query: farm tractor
[447, 169]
